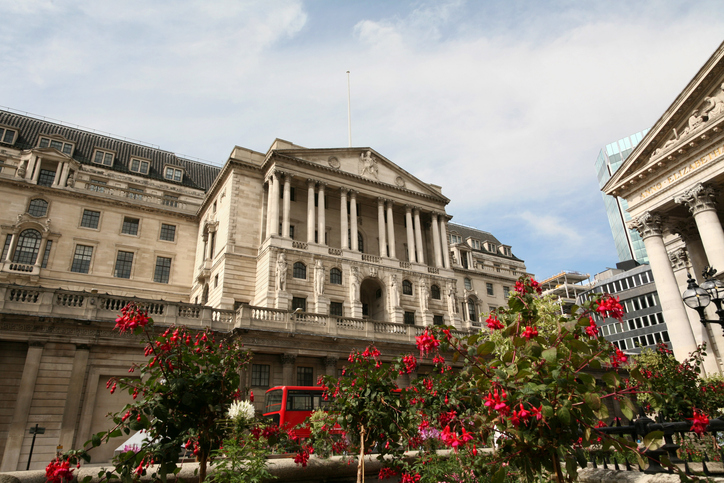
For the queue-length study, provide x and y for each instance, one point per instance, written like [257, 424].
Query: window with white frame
[173, 174]
[139, 166]
[124, 264]
[455, 239]
[82, 259]
[475, 244]
[103, 157]
[162, 273]
[62, 146]
[7, 136]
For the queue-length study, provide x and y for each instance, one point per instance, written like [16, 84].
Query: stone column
[381, 226]
[418, 238]
[310, 210]
[58, 174]
[353, 219]
[679, 263]
[31, 167]
[436, 240]
[269, 194]
[701, 201]
[288, 361]
[444, 242]
[391, 229]
[41, 250]
[410, 235]
[689, 234]
[64, 175]
[11, 248]
[343, 227]
[321, 228]
[16, 434]
[330, 366]
[287, 204]
[73, 401]
[274, 225]
[36, 173]
[677, 321]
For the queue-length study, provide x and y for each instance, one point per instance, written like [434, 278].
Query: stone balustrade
[46, 302]
[143, 198]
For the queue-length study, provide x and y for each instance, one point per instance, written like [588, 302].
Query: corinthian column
[270, 193]
[418, 238]
[344, 229]
[444, 242]
[310, 210]
[677, 321]
[701, 201]
[353, 219]
[391, 229]
[274, 224]
[287, 205]
[381, 226]
[410, 234]
[436, 240]
[322, 227]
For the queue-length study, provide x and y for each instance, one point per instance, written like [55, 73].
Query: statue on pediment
[695, 122]
[368, 165]
[714, 105]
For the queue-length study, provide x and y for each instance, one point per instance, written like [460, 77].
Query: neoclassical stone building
[304, 253]
[672, 182]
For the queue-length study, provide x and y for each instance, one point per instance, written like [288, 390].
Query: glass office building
[628, 242]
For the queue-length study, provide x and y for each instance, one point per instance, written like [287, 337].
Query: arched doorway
[372, 296]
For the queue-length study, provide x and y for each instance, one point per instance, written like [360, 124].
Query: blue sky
[505, 104]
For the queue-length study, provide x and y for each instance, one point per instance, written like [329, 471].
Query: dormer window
[492, 248]
[455, 239]
[475, 244]
[173, 174]
[139, 166]
[62, 146]
[7, 136]
[103, 157]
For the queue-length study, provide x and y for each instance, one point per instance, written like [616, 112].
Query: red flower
[496, 402]
[610, 307]
[592, 329]
[58, 471]
[131, 318]
[530, 332]
[618, 358]
[410, 364]
[251, 396]
[699, 422]
[494, 323]
[426, 343]
[407, 478]
[386, 473]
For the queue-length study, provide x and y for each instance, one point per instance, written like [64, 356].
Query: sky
[505, 104]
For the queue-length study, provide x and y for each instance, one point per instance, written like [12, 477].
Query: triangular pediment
[695, 116]
[364, 164]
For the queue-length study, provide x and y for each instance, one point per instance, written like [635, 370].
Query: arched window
[435, 292]
[407, 287]
[472, 311]
[335, 276]
[300, 270]
[38, 208]
[468, 284]
[28, 245]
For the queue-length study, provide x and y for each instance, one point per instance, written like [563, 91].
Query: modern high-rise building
[628, 241]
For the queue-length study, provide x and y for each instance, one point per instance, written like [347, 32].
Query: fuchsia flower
[592, 329]
[530, 332]
[699, 422]
[426, 343]
[452, 439]
[386, 473]
[496, 401]
[407, 478]
[58, 471]
[610, 307]
[494, 323]
[618, 358]
[410, 364]
[131, 318]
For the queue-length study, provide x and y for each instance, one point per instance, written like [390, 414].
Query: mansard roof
[196, 175]
[484, 236]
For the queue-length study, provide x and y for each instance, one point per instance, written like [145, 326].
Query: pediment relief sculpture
[368, 165]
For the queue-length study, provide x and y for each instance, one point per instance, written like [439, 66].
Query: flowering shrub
[59, 471]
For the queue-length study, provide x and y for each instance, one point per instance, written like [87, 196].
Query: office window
[46, 177]
[506, 291]
[162, 272]
[168, 232]
[82, 259]
[468, 284]
[410, 318]
[90, 219]
[455, 239]
[63, 147]
[335, 276]
[7, 136]
[336, 308]
[300, 270]
[139, 166]
[435, 292]
[38, 207]
[299, 303]
[124, 263]
[305, 376]
[472, 311]
[260, 375]
[489, 288]
[407, 287]
[130, 226]
[437, 320]
[26, 251]
[173, 174]
[103, 157]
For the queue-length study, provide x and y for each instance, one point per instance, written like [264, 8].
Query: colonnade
[62, 171]
[279, 193]
[685, 330]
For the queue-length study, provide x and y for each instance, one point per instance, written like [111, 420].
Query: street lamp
[698, 297]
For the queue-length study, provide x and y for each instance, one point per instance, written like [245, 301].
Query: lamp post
[698, 297]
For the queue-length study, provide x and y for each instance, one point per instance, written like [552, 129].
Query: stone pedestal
[321, 304]
[397, 315]
[353, 309]
[426, 318]
[283, 300]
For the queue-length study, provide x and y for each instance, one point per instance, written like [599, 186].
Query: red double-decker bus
[290, 406]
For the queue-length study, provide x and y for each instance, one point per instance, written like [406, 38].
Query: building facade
[629, 244]
[304, 253]
[672, 183]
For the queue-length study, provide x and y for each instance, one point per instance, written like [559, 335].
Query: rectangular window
[130, 226]
[65, 148]
[455, 239]
[170, 200]
[46, 255]
[489, 287]
[305, 376]
[7, 136]
[46, 177]
[90, 219]
[139, 166]
[124, 263]
[437, 320]
[163, 270]
[173, 174]
[506, 291]
[299, 303]
[134, 193]
[410, 318]
[103, 157]
[168, 232]
[260, 375]
[82, 259]
[335, 308]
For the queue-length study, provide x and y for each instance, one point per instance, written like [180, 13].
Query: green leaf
[486, 348]
[654, 440]
[95, 440]
[627, 412]
[115, 434]
[550, 355]
[564, 415]
[547, 411]
[499, 476]
[519, 341]
[610, 378]
[592, 401]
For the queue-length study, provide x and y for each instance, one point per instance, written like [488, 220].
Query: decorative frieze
[679, 259]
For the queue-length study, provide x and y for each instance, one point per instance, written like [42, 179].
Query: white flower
[241, 411]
